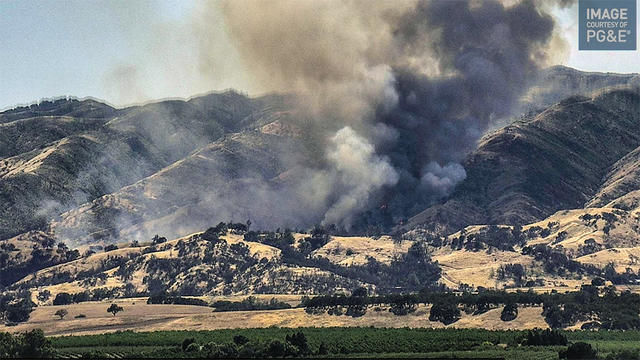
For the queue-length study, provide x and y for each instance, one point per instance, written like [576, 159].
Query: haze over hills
[559, 183]
[174, 167]
[535, 167]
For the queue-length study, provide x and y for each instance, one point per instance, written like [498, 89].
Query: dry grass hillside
[476, 256]
[139, 316]
[355, 250]
[229, 265]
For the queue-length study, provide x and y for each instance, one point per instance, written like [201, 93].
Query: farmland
[343, 342]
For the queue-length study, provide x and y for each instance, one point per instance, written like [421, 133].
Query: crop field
[347, 342]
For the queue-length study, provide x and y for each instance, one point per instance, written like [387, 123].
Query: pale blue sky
[132, 51]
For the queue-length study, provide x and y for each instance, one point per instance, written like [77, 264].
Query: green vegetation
[176, 300]
[250, 303]
[350, 342]
[15, 306]
[32, 344]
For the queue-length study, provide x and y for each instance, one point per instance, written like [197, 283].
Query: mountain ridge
[118, 148]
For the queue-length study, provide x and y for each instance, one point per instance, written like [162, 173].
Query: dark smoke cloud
[416, 82]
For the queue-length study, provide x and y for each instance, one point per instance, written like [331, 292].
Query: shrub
[186, 342]
[240, 340]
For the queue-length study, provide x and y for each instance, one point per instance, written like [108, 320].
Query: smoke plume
[388, 99]
[402, 90]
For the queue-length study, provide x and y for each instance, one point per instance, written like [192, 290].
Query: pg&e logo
[607, 25]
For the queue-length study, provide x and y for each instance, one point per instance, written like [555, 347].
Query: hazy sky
[132, 51]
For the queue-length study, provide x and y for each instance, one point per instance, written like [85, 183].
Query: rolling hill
[551, 200]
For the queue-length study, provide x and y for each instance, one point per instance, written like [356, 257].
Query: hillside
[566, 250]
[549, 202]
[555, 160]
[139, 316]
[58, 155]
[177, 199]
[91, 173]
[559, 82]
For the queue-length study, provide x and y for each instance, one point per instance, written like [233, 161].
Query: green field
[344, 342]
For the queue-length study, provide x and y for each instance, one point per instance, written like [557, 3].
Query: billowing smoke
[402, 91]
[442, 179]
[389, 98]
[359, 173]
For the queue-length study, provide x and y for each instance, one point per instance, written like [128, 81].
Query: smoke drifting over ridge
[414, 83]
[389, 98]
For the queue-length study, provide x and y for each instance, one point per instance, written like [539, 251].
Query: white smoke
[442, 179]
[359, 172]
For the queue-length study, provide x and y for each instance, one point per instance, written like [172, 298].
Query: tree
[62, 313]
[240, 340]
[8, 345]
[158, 239]
[114, 309]
[35, 345]
[538, 337]
[445, 312]
[110, 248]
[579, 350]
[510, 312]
[62, 248]
[63, 299]
[276, 349]
[81, 297]
[361, 291]
[186, 342]
[323, 349]
[299, 340]
[211, 235]
[19, 311]
[192, 348]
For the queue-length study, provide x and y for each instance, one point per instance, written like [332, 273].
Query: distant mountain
[552, 199]
[87, 172]
[61, 154]
[559, 82]
[555, 160]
